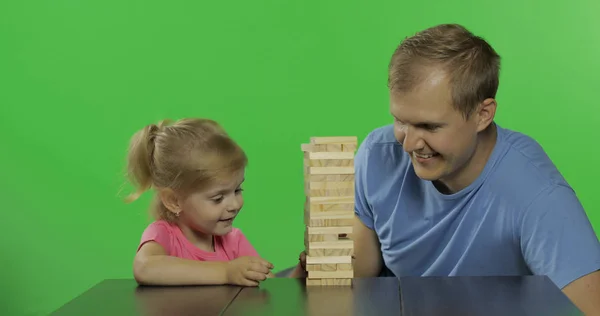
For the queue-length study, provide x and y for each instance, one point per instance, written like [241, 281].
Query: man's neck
[463, 177]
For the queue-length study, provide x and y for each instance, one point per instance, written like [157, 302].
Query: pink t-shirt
[227, 247]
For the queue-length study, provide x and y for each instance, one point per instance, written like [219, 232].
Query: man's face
[438, 138]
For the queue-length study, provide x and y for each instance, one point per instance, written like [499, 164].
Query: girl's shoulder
[162, 224]
[160, 227]
[159, 231]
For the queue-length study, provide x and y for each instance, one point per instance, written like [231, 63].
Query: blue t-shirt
[519, 217]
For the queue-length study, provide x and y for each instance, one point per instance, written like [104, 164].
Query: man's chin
[426, 174]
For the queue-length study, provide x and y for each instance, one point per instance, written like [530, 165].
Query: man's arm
[367, 258]
[557, 240]
[367, 252]
[585, 293]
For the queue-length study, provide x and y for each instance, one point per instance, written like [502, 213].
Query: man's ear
[486, 111]
[170, 200]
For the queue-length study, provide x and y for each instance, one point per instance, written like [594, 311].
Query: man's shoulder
[381, 136]
[526, 159]
[381, 149]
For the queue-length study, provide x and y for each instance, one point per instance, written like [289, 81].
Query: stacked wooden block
[329, 209]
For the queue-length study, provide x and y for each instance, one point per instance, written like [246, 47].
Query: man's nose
[410, 140]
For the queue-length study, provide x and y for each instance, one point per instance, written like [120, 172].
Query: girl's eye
[239, 190]
[218, 200]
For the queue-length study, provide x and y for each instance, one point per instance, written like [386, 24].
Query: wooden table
[125, 297]
[530, 295]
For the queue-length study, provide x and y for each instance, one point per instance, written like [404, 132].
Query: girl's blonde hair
[185, 156]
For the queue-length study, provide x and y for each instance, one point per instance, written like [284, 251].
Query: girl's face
[213, 210]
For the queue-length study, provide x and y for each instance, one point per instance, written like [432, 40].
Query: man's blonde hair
[472, 65]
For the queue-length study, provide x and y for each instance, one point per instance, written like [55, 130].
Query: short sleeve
[361, 166]
[158, 232]
[557, 238]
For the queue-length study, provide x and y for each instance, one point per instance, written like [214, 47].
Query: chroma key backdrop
[78, 78]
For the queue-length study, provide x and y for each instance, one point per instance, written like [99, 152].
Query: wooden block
[328, 162]
[312, 148]
[329, 189]
[311, 282]
[327, 233]
[330, 199]
[318, 211]
[328, 237]
[322, 237]
[337, 260]
[349, 148]
[330, 177]
[334, 218]
[330, 274]
[331, 219]
[333, 147]
[334, 282]
[332, 245]
[330, 248]
[321, 267]
[330, 185]
[329, 230]
[327, 222]
[334, 140]
[328, 252]
[328, 208]
[329, 155]
[345, 266]
[328, 170]
[332, 213]
[329, 282]
[331, 192]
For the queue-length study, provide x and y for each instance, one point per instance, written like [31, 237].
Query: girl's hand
[248, 271]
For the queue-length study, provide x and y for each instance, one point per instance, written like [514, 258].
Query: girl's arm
[152, 266]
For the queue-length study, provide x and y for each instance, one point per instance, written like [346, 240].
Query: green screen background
[78, 78]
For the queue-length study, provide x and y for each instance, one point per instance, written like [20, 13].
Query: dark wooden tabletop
[490, 296]
[367, 296]
[515, 296]
[125, 297]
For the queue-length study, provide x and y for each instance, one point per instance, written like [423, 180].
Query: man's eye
[429, 127]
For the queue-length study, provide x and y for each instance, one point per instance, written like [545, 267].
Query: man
[446, 191]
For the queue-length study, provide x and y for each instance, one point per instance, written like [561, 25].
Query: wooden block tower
[329, 209]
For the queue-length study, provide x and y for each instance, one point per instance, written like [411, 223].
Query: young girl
[197, 172]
